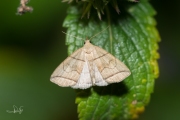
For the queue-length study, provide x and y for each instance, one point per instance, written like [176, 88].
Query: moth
[89, 66]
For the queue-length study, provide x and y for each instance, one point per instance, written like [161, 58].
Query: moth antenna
[72, 36]
[99, 32]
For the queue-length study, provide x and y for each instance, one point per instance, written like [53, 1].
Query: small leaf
[132, 38]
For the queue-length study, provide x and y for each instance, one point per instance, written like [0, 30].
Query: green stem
[110, 28]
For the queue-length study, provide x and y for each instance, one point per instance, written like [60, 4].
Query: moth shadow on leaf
[83, 92]
[114, 89]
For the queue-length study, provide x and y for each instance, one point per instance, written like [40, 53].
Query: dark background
[32, 45]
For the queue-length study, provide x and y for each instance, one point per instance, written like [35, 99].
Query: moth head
[88, 47]
[87, 41]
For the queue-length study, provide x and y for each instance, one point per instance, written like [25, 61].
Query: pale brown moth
[89, 66]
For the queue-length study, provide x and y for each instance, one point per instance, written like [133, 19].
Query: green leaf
[132, 38]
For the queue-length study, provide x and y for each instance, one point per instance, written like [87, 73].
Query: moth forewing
[111, 68]
[99, 80]
[68, 72]
[84, 80]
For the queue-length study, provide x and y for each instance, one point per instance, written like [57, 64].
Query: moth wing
[99, 80]
[84, 80]
[68, 72]
[111, 69]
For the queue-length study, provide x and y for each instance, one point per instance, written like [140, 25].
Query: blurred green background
[32, 46]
